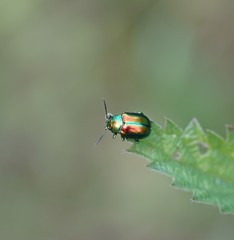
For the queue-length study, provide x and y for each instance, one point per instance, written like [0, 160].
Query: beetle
[130, 125]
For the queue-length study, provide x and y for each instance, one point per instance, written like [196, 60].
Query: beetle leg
[114, 135]
[137, 140]
[123, 139]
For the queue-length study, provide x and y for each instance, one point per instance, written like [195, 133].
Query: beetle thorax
[115, 123]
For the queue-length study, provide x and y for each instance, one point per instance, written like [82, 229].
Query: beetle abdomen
[135, 125]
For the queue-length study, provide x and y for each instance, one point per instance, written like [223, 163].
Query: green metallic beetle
[129, 125]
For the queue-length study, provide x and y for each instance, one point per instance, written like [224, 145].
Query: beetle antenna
[104, 101]
[101, 137]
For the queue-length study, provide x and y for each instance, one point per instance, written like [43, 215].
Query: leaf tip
[171, 127]
[194, 123]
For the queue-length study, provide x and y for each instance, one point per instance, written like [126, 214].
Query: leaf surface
[197, 160]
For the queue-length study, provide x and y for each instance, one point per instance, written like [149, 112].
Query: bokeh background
[58, 60]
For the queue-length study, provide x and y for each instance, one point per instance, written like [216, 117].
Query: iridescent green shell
[129, 125]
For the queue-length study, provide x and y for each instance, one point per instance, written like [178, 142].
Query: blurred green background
[58, 60]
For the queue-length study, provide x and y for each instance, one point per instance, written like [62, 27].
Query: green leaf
[197, 160]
